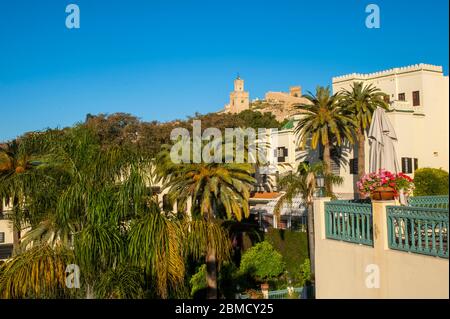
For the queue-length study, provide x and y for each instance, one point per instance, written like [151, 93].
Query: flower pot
[383, 193]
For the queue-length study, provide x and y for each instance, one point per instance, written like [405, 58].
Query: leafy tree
[430, 181]
[262, 261]
[100, 215]
[210, 186]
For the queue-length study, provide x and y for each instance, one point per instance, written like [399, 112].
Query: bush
[198, 280]
[430, 181]
[262, 261]
[293, 246]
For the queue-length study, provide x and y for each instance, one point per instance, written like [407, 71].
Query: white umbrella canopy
[383, 142]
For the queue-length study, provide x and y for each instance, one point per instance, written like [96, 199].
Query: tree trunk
[311, 239]
[211, 262]
[16, 232]
[361, 154]
[16, 240]
[211, 274]
[327, 161]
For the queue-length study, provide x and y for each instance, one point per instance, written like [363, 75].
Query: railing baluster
[353, 225]
[427, 246]
[419, 234]
[406, 233]
[433, 237]
[413, 240]
[358, 235]
[441, 248]
[368, 237]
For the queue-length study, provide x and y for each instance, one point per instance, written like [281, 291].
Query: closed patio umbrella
[383, 142]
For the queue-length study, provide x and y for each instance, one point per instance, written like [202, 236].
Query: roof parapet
[399, 70]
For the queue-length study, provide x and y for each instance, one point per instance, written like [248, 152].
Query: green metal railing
[280, 294]
[429, 201]
[419, 230]
[347, 221]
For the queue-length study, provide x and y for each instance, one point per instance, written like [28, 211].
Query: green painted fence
[280, 294]
[350, 222]
[429, 201]
[419, 230]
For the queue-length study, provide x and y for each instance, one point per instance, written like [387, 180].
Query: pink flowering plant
[371, 181]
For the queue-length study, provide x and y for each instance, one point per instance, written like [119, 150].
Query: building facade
[419, 111]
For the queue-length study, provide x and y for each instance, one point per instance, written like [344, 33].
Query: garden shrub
[293, 246]
[430, 181]
[198, 280]
[262, 261]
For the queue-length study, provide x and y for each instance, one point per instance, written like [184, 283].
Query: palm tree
[18, 163]
[303, 183]
[212, 187]
[359, 103]
[95, 211]
[323, 122]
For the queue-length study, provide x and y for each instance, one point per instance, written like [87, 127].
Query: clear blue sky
[162, 60]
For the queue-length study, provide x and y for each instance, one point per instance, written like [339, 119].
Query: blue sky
[162, 60]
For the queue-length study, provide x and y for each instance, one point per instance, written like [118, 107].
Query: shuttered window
[401, 97]
[416, 98]
[416, 164]
[281, 153]
[353, 166]
[407, 165]
[2, 237]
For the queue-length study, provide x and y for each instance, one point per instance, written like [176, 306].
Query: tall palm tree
[18, 163]
[98, 214]
[211, 187]
[323, 121]
[303, 183]
[359, 103]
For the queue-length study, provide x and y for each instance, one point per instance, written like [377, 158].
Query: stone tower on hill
[239, 99]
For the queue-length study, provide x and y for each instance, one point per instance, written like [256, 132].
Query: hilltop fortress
[280, 104]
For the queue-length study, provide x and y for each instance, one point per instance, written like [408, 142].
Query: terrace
[382, 250]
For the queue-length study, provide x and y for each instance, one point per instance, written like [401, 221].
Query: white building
[419, 111]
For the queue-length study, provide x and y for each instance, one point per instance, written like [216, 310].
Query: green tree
[211, 187]
[303, 183]
[323, 121]
[430, 181]
[359, 103]
[98, 213]
[262, 261]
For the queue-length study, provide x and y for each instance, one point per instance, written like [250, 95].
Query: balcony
[404, 106]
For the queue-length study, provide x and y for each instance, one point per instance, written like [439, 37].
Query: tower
[239, 99]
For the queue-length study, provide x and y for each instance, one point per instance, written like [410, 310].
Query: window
[407, 165]
[2, 237]
[335, 161]
[281, 154]
[401, 97]
[416, 98]
[167, 205]
[353, 166]
[416, 164]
